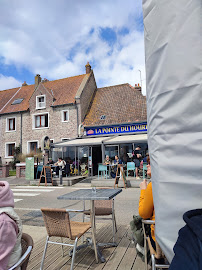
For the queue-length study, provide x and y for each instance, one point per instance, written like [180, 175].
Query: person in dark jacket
[188, 248]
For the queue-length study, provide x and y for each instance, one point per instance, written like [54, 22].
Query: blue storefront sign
[116, 129]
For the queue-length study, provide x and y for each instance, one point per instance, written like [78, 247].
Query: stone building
[47, 108]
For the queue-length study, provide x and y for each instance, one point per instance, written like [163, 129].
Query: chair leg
[62, 247]
[74, 253]
[153, 262]
[44, 253]
[127, 173]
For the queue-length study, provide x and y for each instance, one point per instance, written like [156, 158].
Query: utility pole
[140, 78]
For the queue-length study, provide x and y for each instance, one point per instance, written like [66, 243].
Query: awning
[127, 139]
[104, 140]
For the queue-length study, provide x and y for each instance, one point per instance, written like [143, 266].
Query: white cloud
[40, 36]
[8, 82]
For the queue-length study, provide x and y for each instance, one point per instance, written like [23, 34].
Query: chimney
[88, 68]
[138, 87]
[37, 80]
[24, 84]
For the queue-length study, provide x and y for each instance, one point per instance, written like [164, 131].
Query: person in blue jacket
[188, 248]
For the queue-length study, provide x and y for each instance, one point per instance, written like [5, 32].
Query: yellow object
[146, 206]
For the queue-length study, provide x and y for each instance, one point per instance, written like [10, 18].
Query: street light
[140, 78]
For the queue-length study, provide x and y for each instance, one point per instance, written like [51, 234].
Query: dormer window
[41, 102]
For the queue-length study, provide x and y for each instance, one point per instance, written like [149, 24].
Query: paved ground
[29, 200]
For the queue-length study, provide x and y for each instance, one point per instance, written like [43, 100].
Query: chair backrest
[103, 203]
[145, 165]
[130, 165]
[39, 168]
[102, 167]
[27, 246]
[57, 222]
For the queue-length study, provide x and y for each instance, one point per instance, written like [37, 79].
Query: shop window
[10, 124]
[41, 102]
[41, 121]
[10, 148]
[32, 147]
[65, 116]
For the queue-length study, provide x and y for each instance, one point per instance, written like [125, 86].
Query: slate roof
[63, 90]
[120, 104]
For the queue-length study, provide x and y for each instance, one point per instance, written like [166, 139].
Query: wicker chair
[58, 224]
[156, 255]
[104, 208]
[27, 246]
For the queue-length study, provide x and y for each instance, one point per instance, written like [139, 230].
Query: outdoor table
[92, 195]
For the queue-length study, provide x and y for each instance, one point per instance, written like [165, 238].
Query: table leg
[92, 217]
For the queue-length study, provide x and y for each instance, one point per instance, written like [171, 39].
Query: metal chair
[144, 169]
[103, 169]
[58, 224]
[104, 208]
[130, 167]
[155, 254]
[27, 246]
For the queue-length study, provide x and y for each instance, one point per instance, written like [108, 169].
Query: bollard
[60, 175]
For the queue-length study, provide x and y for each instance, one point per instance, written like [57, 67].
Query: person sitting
[107, 160]
[189, 243]
[146, 204]
[60, 165]
[10, 229]
[85, 172]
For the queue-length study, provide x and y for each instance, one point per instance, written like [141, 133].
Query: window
[65, 116]
[65, 139]
[17, 101]
[41, 102]
[51, 141]
[10, 124]
[32, 147]
[41, 121]
[10, 148]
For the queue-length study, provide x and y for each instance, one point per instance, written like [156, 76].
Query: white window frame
[63, 139]
[63, 116]
[34, 121]
[28, 145]
[7, 125]
[6, 149]
[37, 102]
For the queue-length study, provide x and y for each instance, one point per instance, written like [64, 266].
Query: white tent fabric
[105, 140]
[173, 52]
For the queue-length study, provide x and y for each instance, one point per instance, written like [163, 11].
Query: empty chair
[144, 169]
[131, 167]
[103, 169]
[27, 246]
[58, 224]
[104, 208]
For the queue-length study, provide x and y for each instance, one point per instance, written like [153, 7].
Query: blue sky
[57, 38]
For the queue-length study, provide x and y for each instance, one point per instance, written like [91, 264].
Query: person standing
[137, 159]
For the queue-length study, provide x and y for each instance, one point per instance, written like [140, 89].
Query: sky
[56, 39]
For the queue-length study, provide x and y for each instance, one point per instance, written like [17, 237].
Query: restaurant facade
[115, 124]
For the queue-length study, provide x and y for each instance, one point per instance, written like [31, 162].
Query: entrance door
[96, 158]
